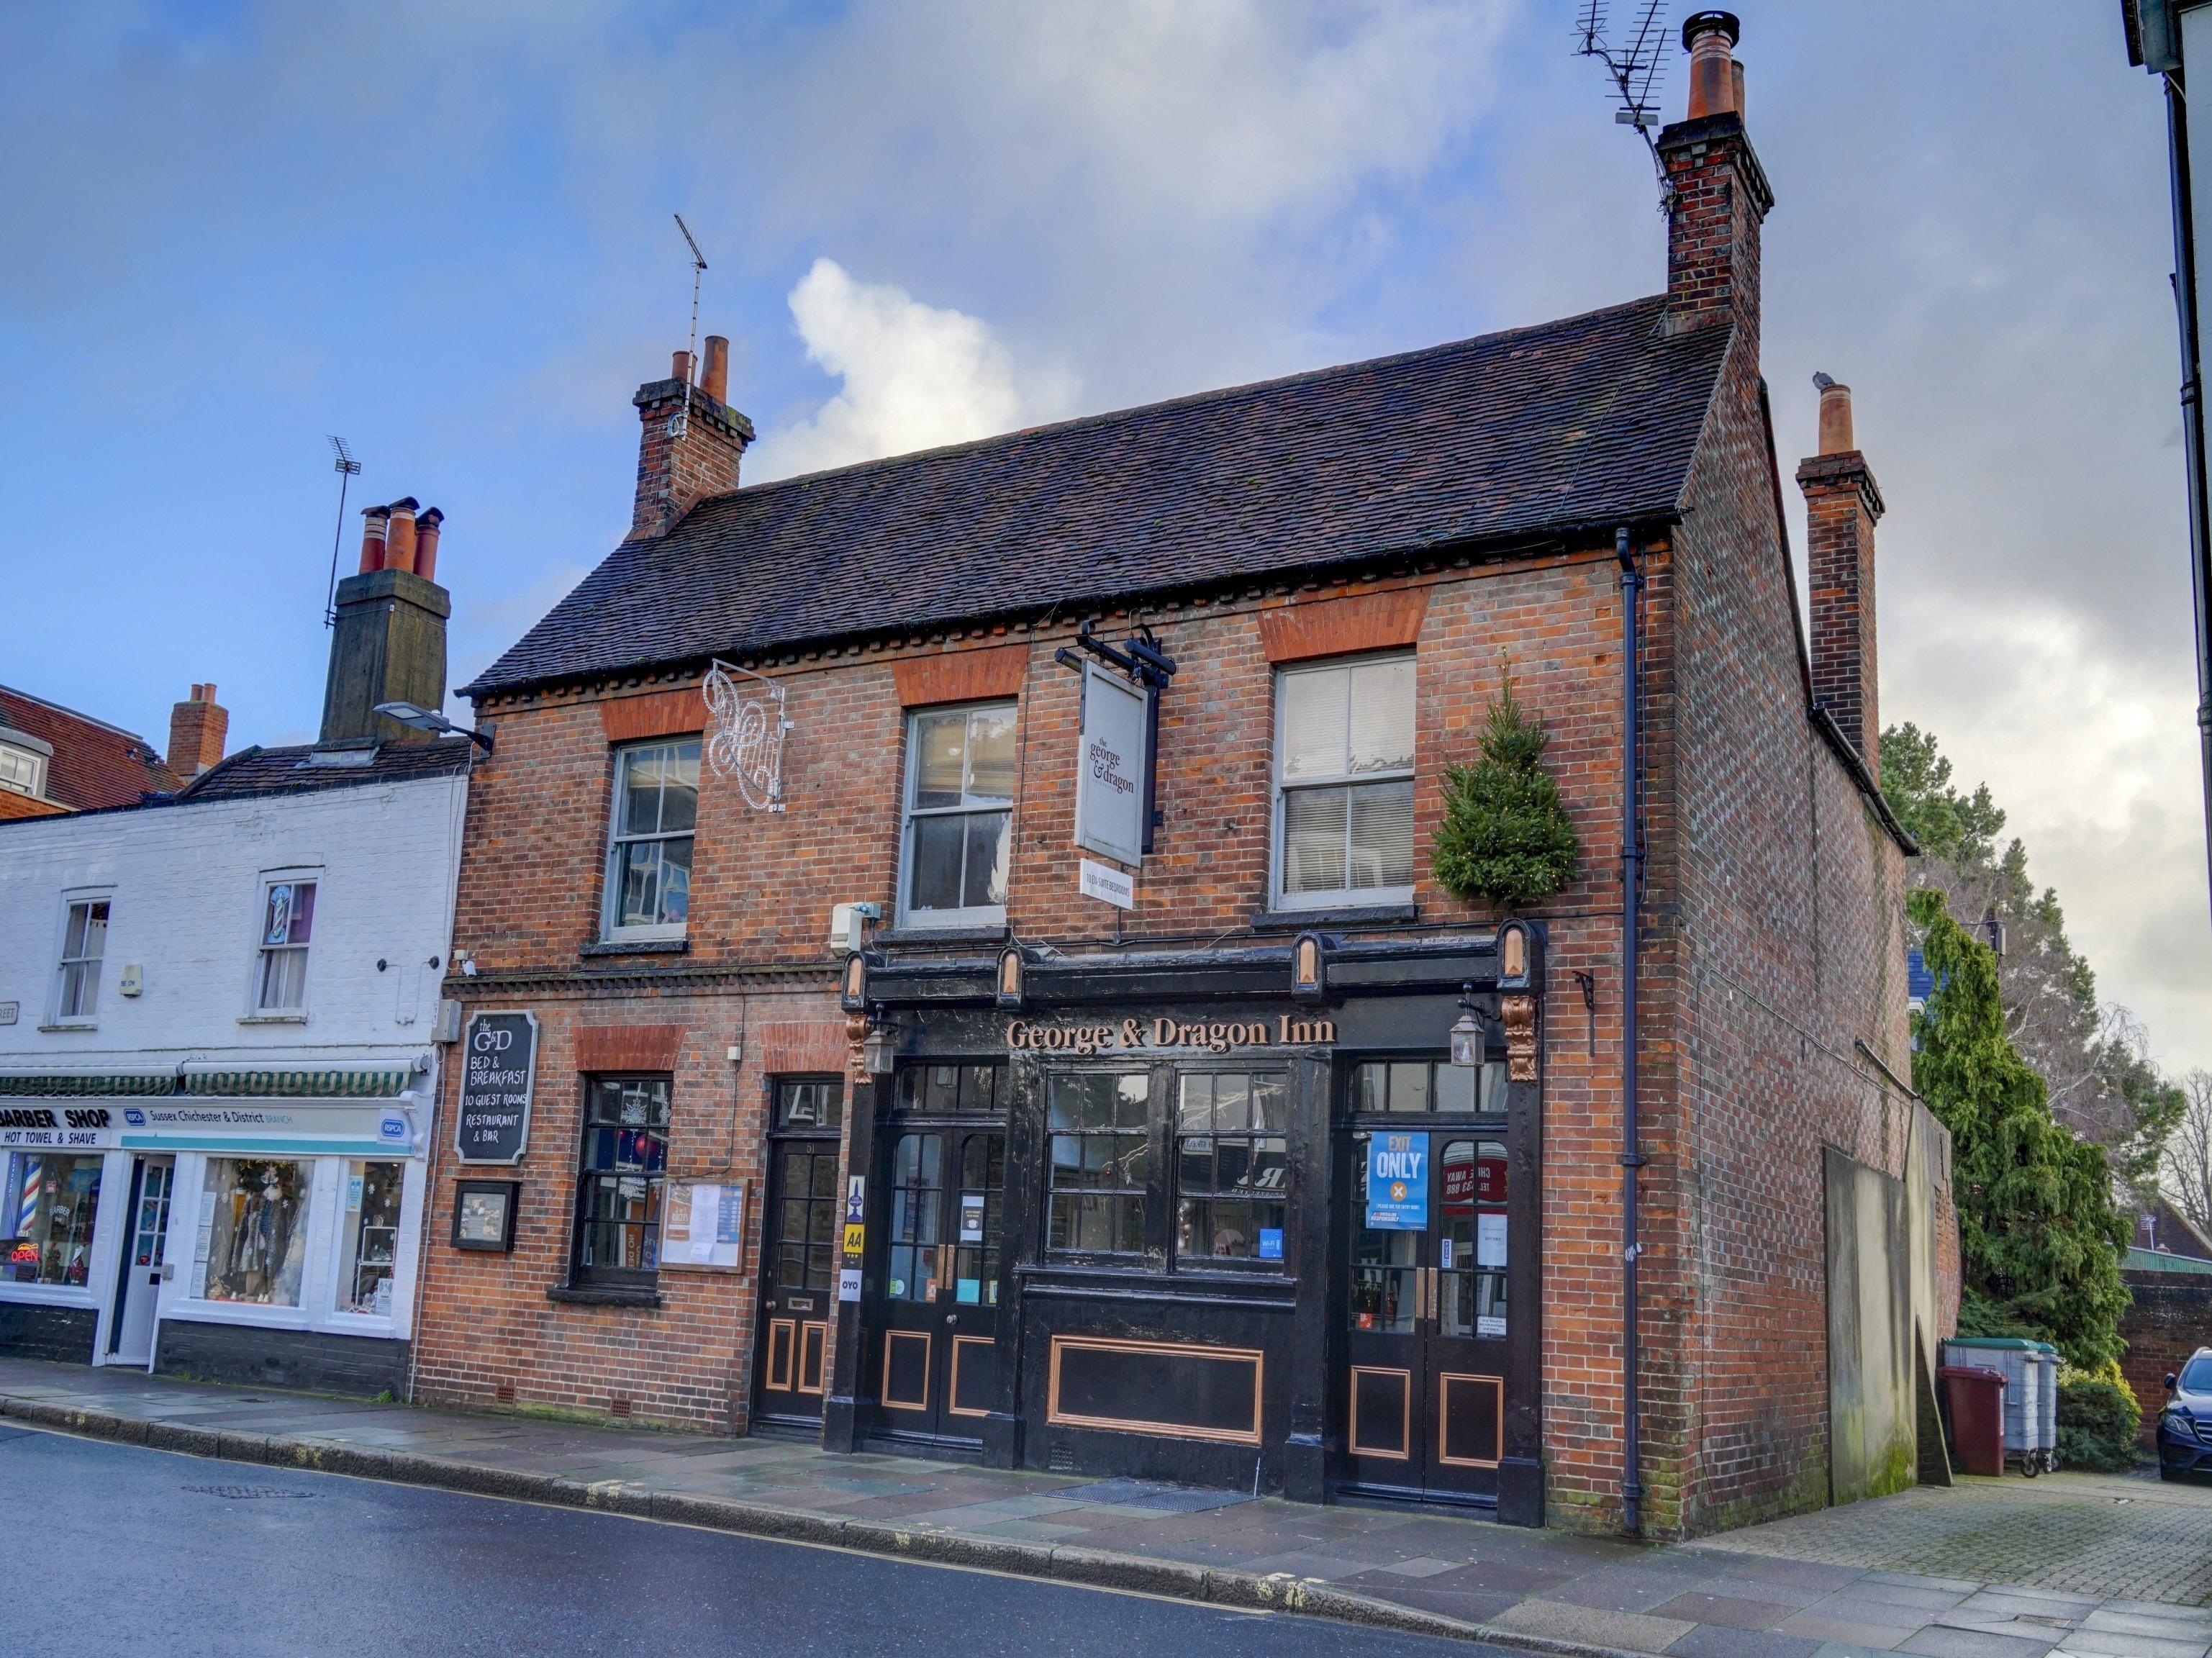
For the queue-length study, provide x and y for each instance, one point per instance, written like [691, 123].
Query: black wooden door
[938, 1342]
[1424, 1389]
[799, 1276]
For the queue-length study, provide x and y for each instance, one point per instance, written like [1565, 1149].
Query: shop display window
[1232, 1166]
[52, 1204]
[253, 1230]
[1100, 1160]
[619, 1186]
[368, 1239]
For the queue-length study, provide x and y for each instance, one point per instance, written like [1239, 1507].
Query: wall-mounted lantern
[853, 996]
[880, 1051]
[1309, 971]
[1010, 992]
[1466, 1043]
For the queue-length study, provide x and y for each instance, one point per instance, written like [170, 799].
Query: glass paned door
[935, 1361]
[138, 1282]
[798, 1256]
[1423, 1397]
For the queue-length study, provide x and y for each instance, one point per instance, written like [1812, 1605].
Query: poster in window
[1109, 776]
[1398, 1182]
[499, 1068]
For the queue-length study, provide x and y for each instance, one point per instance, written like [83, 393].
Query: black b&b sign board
[500, 1065]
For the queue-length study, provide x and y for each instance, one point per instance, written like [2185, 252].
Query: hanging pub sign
[498, 1069]
[1398, 1182]
[1109, 776]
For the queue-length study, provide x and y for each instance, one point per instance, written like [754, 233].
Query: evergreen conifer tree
[1505, 836]
[2039, 1233]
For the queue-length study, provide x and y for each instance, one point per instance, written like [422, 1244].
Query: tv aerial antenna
[698, 270]
[1636, 65]
[348, 469]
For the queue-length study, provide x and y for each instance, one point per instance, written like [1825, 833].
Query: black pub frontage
[1262, 1218]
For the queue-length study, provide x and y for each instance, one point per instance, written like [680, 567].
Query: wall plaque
[497, 1074]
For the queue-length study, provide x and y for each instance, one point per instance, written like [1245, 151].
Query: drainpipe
[1632, 892]
[2192, 423]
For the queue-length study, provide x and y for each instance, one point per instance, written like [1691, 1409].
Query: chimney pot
[1708, 37]
[426, 544]
[399, 541]
[679, 366]
[714, 378]
[375, 524]
[1835, 416]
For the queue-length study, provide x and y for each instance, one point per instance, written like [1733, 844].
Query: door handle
[952, 1318]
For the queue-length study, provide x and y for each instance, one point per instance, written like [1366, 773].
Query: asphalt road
[115, 1549]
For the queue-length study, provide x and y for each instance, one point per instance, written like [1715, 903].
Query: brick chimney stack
[389, 643]
[1720, 192]
[197, 728]
[1842, 505]
[684, 457]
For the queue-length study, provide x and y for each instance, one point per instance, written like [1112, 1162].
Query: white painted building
[219, 1016]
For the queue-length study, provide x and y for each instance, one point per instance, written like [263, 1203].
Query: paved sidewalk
[2075, 1564]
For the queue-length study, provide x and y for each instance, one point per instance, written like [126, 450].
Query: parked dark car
[2185, 1426]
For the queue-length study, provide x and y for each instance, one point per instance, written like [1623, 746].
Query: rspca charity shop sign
[1398, 1182]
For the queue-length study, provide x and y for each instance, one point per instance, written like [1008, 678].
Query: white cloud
[914, 377]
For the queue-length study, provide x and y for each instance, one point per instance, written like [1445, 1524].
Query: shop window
[1232, 1166]
[53, 1203]
[959, 800]
[917, 1205]
[1344, 783]
[656, 809]
[625, 1163]
[1100, 1161]
[84, 942]
[1470, 1253]
[288, 925]
[1427, 1085]
[369, 1237]
[253, 1230]
[983, 1195]
[814, 1106]
[951, 1089]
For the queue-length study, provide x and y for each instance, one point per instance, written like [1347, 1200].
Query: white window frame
[36, 788]
[58, 1020]
[1345, 897]
[255, 1012]
[611, 888]
[970, 916]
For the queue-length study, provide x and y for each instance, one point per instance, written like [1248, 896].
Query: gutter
[2192, 425]
[1855, 763]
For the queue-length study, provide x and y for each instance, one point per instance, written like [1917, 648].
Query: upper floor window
[287, 924]
[649, 842]
[959, 808]
[22, 770]
[84, 942]
[1344, 783]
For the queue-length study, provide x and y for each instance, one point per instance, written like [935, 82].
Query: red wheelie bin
[1975, 1397]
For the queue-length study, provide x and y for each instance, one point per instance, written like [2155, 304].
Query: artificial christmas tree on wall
[1505, 837]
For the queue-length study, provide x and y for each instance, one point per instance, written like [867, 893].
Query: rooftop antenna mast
[1636, 67]
[348, 469]
[691, 374]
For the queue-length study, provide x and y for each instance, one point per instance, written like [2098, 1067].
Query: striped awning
[333, 1083]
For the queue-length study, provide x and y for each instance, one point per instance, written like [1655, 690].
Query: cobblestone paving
[2101, 1535]
[2072, 1566]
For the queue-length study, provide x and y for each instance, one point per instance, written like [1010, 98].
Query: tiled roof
[93, 764]
[291, 771]
[1576, 424]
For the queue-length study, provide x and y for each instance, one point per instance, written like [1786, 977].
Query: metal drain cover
[245, 1493]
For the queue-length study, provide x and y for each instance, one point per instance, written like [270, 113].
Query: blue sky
[443, 230]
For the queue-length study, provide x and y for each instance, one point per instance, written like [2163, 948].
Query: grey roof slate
[1583, 423]
[257, 771]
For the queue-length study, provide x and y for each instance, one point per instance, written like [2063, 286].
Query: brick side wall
[2171, 1319]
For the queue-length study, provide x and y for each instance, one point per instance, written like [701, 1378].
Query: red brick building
[53, 759]
[1296, 1170]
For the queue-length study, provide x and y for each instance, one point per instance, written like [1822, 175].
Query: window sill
[595, 1295]
[71, 1024]
[636, 947]
[911, 935]
[1299, 920]
[272, 1018]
